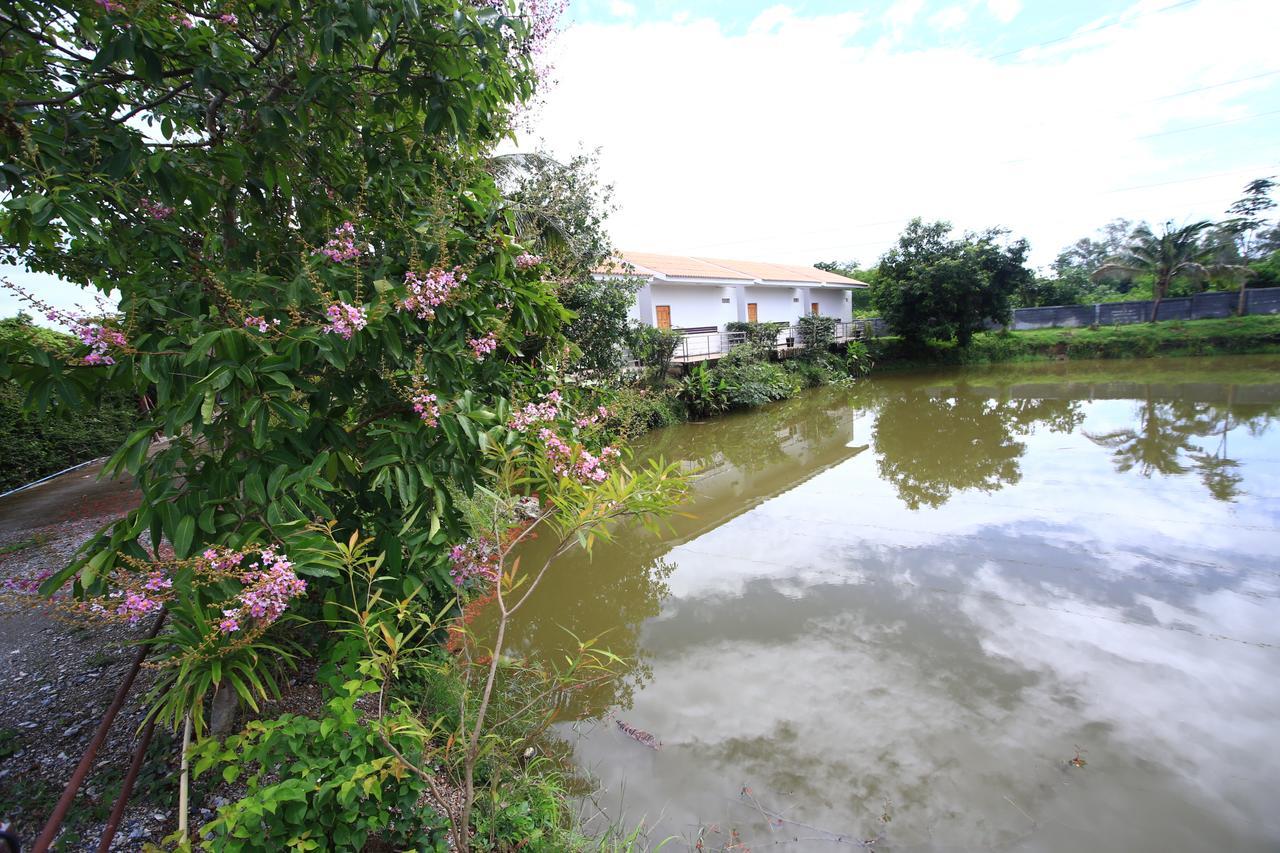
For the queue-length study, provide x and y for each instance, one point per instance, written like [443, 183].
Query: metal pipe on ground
[126, 787]
[50, 832]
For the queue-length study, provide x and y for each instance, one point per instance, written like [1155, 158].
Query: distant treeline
[33, 447]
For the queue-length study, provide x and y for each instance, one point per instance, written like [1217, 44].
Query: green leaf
[182, 536]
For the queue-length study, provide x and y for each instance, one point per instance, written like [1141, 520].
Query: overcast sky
[813, 131]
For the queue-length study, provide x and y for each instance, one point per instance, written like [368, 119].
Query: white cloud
[622, 9]
[950, 18]
[1004, 11]
[902, 13]
[797, 140]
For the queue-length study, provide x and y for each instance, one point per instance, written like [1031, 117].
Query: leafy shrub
[812, 373]
[760, 338]
[705, 391]
[653, 348]
[817, 334]
[857, 359]
[635, 411]
[317, 785]
[34, 446]
[753, 383]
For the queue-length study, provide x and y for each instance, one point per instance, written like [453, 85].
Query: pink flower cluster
[481, 347]
[28, 584]
[269, 584]
[97, 337]
[427, 407]
[475, 558]
[527, 261]
[253, 321]
[135, 605]
[576, 462]
[182, 21]
[345, 320]
[342, 246]
[229, 19]
[601, 414]
[154, 209]
[111, 5]
[548, 409]
[429, 291]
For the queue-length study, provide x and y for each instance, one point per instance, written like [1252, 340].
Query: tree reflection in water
[929, 446]
[1165, 440]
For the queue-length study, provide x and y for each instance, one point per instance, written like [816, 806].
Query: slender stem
[185, 776]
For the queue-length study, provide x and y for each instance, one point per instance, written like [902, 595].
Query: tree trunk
[1244, 283]
[222, 713]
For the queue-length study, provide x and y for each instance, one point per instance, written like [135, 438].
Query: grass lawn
[1230, 336]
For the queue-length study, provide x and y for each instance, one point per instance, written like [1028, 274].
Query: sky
[815, 130]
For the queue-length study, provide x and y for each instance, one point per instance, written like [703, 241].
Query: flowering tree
[320, 299]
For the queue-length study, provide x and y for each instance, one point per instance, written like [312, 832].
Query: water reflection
[897, 613]
[929, 446]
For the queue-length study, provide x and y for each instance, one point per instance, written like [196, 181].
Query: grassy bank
[1231, 336]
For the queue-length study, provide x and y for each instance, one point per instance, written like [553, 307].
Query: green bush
[812, 373]
[760, 338]
[749, 382]
[653, 348]
[33, 446]
[705, 391]
[857, 359]
[319, 784]
[816, 334]
[634, 411]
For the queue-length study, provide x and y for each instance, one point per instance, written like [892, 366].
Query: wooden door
[813, 308]
[753, 315]
[664, 316]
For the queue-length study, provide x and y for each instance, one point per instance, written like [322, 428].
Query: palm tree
[1177, 253]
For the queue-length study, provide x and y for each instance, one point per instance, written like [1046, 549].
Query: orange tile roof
[683, 266]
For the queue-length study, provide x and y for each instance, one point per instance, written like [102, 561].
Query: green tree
[560, 209]
[1245, 224]
[318, 278]
[1176, 253]
[932, 287]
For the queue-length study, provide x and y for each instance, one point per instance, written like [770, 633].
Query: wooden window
[664, 316]
[753, 315]
[813, 306]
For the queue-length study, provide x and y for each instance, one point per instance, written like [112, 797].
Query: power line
[1092, 30]
[1203, 126]
[1214, 86]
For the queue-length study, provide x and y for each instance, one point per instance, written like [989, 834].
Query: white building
[698, 296]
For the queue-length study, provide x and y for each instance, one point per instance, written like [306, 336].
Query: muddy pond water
[1027, 608]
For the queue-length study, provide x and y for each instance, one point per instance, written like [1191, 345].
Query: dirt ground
[59, 676]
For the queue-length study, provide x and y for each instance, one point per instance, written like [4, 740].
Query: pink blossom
[154, 209]
[342, 246]
[252, 321]
[426, 407]
[269, 584]
[229, 19]
[182, 21]
[156, 582]
[527, 261]
[345, 320]
[481, 347]
[533, 413]
[430, 290]
[576, 461]
[474, 559]
[136, 605]
[111, 5]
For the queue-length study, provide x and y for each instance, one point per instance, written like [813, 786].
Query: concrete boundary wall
[1201, 306]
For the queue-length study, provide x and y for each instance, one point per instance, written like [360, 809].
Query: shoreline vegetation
[1174, 338]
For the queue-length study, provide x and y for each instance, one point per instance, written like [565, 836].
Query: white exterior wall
[832, 303]
[694, 304]
[775, 304]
